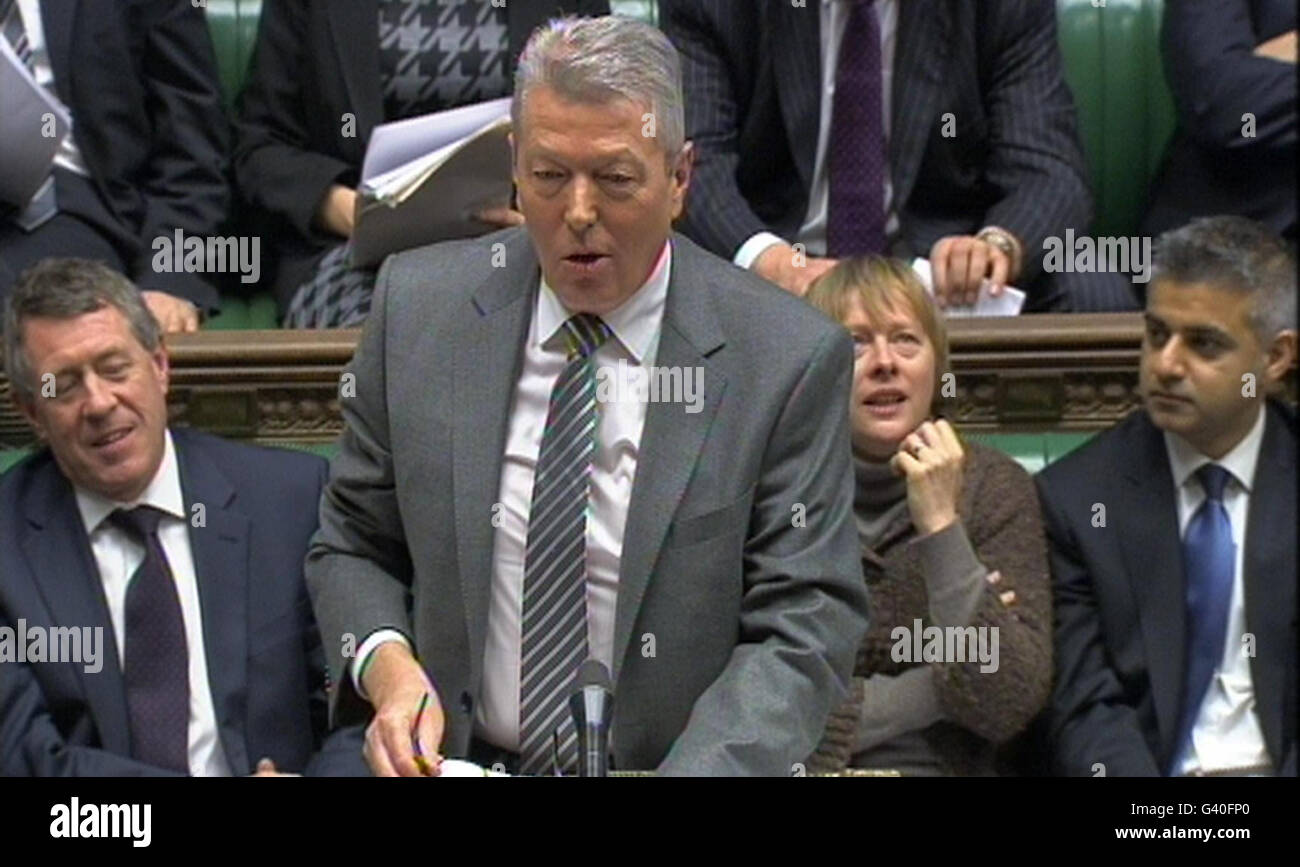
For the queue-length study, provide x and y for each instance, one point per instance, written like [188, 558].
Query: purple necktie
[857, 159]
[157, 657]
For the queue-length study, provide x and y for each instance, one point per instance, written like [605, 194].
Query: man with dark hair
[185, 550]
[1173, 535]
[147, 151]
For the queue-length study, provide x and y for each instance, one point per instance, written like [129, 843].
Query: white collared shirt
[1227, 732]
[118, 556]
[636, 327]
[68, 156]
[834, 21]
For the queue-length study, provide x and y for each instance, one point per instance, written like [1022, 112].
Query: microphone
[592, 706]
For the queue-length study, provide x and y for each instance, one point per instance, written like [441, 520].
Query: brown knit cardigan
[999, 509]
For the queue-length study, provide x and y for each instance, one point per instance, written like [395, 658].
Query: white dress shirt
[68, 155]
[834, 21]
[1227, 733]
[636, 326]
[118, 556]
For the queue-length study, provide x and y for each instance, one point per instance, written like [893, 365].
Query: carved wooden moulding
[1063, 372]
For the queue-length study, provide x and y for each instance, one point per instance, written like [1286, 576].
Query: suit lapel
[354, 24]
[796, 58]
[672, 438]
[1270, 567]
[488, 354]
[58, 554]
[922, 48]
[220, 550]
[1147, 523]
[57, 18]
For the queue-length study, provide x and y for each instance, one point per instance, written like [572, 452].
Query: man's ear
[1280, 357]
[683, 169]
[26, 404]
[162, 364]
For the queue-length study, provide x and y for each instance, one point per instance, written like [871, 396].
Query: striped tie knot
[1213, 479]
[584, 333]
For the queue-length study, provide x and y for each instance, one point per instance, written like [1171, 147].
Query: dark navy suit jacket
[265, 662]
[1120, 614]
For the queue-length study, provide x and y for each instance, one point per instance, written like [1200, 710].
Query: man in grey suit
[589, 438]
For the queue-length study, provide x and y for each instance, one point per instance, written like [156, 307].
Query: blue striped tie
[1209, 561]
[555, 569]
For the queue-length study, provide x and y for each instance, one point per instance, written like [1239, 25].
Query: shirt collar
[1185, 460]
[163, 493]
[635, 322]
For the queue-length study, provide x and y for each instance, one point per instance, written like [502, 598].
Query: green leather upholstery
[1126, 113]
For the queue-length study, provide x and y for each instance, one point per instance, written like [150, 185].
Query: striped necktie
[554, 636]
[11, 25]
[43, 205]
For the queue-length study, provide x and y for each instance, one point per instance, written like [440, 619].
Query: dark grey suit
[756, 615]
[751, 75]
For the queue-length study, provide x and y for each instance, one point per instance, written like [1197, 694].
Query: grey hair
[1237, 254]
[63, 289]
[597, 59]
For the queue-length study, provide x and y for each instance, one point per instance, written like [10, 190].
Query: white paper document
[424, 179]
[29, 113]
[1006, 303]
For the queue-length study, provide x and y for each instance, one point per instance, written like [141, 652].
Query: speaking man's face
[597, 193]
[1204, 372]
[106, 420]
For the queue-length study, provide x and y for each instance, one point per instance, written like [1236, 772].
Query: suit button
[466, 702]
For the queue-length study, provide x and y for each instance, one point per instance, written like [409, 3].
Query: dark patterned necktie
[857, 158]
[157, 657]
[555, 561]
[1209, 561]
[43, 206]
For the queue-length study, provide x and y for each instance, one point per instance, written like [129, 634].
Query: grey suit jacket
[739, 555]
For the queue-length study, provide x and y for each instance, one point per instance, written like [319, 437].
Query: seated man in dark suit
[1173, 535]
[587, 438]
[181, 552]
[932, 128]
[146, 156]
[1231, 65]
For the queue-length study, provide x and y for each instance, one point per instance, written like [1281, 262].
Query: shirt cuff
[954, 576]
[754, 247]
[369, 646]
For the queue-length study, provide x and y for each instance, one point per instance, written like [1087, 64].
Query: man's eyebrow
[622, 153]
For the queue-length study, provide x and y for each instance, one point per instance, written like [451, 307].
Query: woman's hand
[338, 211]
[931, 458]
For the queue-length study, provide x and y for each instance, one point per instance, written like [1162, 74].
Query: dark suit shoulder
[17, 481]
[1110, 451]
[253, 468]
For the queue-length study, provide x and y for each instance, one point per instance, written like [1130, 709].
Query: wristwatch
[1007, 243]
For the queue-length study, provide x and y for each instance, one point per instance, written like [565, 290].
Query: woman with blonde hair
[951, 538]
